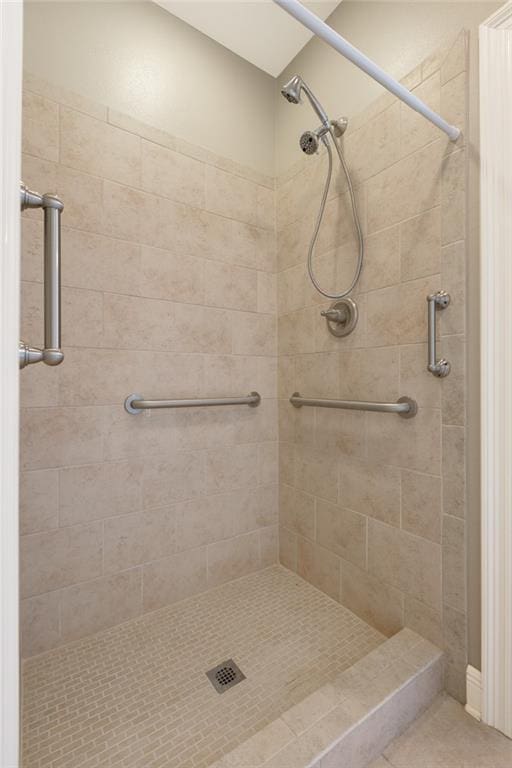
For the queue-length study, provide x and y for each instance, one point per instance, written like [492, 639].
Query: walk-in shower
[329, 131]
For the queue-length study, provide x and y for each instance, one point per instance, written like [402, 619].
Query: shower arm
[353, 54]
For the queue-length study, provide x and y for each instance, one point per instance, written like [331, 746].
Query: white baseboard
[474, 692]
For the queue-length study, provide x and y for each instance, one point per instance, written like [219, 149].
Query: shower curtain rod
[353, 54]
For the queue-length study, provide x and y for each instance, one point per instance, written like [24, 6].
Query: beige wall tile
[383, 317]
[54, 437]
[453, 279]
[99, 263]
[456, 59]
[454, 563]
[82, 196]
[453, 103]
[317, 375]
[316, 473]
[230, 287]
[250, 246]
[381, 605]
[40, 127]
[267, 293]
[408, 443]
[138, 538]
[453, 198]
[413, 308]
[231, 467]
[408, 188]
[269, 546]
[174, 478]
[341, 531]
[420, 245]
[172, 174]
[32, 249]
[39, 501]
[381, 265]
[319, 566]
[96, 605]
[268, 463]
[288, 549]
[254, 334]
[415, 379]
[421, 505]
[407, 562]
[230, 559]
[416, 132]
[424, 620]
[127, 436]
[96, 491]
[369, 374]
[256, 509]
[35, 84]
[122, 209]
[40, 623]
[99, 148]
[238, 198]
[174, 578]
[340, 433]
[453, 393]
[297, 511]
[58, 558]
[371, 489]
[166, 275]
[256, 425]
[82, 318]
[454, 471]
[374, 146]
[205, 520]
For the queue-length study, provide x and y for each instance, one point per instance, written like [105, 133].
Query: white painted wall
[139, 59]
[397, 35]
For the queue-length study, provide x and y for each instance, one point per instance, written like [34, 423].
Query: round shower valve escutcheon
[341, 317]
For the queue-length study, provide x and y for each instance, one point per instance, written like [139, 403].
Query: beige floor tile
[137, 694]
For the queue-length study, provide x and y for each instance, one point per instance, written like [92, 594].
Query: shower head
[292, 93]
[309, 142]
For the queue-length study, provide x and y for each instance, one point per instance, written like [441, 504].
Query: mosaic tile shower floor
[136, 695]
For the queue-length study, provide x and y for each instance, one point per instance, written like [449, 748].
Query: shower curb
[350, 721]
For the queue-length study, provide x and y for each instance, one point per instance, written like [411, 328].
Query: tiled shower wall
[169, 290]
[372, 505]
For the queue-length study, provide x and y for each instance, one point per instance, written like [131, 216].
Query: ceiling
[257, 30]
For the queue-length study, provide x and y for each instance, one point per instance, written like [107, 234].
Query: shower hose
[320, 216]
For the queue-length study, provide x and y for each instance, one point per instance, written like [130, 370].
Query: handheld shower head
[292, 92]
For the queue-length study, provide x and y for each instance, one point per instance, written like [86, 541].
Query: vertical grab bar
[436, 301]
[52, 207]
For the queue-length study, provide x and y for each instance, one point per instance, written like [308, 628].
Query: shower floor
[137, 696]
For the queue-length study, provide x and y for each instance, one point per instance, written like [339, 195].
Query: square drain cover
[225, 676]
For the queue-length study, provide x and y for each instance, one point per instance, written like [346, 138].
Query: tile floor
[136, 695]
[445, 736]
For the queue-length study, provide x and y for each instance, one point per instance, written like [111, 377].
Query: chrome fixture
[136, 403]
[309, 143]
[292, 92]
[436, 301]
[52, 208]
[341, 317]
[404, 406]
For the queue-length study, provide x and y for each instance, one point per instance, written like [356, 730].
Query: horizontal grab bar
[137, 404]
[404, 407]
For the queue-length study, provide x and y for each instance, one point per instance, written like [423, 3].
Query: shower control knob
[334, 315]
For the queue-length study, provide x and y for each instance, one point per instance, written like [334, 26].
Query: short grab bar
[404, 406]
[136, 403]
[436, 301]
[52, 208]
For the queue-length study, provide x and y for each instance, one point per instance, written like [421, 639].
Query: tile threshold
[350, 720]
